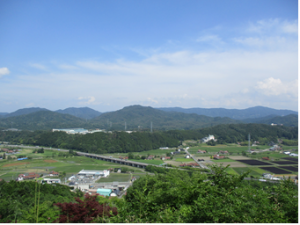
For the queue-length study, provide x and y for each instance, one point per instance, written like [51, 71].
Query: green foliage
[211, 143]
[180, 197]
[18, 201]
[126, 170]
[290, 142]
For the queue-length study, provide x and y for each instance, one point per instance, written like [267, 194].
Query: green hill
[238, 114]
[289, 120]
[83, 112]
[140, 116]
[42, 120]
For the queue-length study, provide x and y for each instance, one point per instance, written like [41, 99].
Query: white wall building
[51, 181]
[102, 173]
[206, 139]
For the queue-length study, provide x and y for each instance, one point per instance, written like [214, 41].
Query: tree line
[122, 142]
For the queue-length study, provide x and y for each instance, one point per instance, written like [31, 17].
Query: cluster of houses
[165, 158]
[150, 157]
[8, 151]
[125, 157]
[30, 176]
[178, 151]
[275, 148]
[27, 176]
[217, 156]
[201, 151]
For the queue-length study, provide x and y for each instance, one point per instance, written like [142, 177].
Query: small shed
[105, 192]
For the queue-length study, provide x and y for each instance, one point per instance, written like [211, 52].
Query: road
[35, 147]
[200, 164]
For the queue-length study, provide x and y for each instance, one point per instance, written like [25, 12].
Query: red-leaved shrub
[84, 211]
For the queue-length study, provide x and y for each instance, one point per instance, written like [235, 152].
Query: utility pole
[125, 125]
[249, 142]
[151, 126]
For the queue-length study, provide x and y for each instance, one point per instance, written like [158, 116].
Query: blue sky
[109, 54]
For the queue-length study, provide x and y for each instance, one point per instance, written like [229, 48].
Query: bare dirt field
[16, 164]
[238, 157]
[232, 164]
[50, 161]
[174, 163]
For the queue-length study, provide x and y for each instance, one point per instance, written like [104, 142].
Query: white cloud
[272, 26]
[29, 104]
[272, 86]
[90, 100]
[68, 67]
[4, 71]
[38, 66]
[209, 38]
[236, 77]
[152, 100]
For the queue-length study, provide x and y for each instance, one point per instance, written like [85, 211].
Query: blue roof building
[105, 192]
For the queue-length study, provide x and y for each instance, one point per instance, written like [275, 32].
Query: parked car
[201, 160]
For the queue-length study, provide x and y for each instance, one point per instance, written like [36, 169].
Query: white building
[50, 181]
[102, 173]
[72, 130]
[206, 139]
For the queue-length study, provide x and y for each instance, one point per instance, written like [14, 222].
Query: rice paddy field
[49, 160]
[10, 169]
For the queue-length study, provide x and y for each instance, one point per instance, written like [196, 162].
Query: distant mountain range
[237, 114]
[140, 118]
[42, 120]
[84, 112]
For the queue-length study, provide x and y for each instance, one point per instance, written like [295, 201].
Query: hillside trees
[179, 197]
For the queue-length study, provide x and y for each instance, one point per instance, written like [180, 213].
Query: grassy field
[253, 173]
[231, 171]
[183, 160]
[45, 162]
[151, 161]
[224, 160]
[43, 165]
[271, 155]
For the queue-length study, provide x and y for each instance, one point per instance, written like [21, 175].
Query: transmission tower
[125, 126]
[151, 127]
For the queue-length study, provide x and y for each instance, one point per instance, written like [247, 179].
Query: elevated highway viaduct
[114, 160]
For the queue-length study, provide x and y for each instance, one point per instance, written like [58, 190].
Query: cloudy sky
[109, 54]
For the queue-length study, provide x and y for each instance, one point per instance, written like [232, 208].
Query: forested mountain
[140, 116]
[25, 111]
[123, 142]
[289, 120]
[83, 112]
[238, 114]
[42, 120]
[136, 117]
